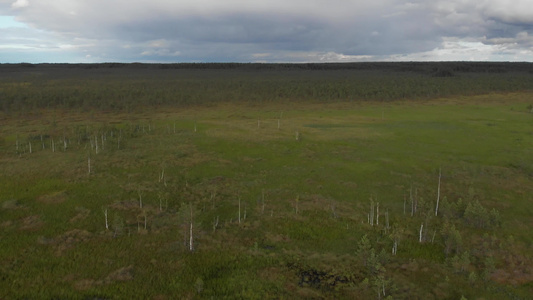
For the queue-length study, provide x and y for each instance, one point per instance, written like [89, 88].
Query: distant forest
[117, 86]
[433, 68]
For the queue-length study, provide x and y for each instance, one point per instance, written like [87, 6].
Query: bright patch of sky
[10, 22]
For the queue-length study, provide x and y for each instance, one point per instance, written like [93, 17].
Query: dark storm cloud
[313, 30]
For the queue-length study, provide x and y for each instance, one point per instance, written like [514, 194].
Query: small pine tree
[465, 261]
[472, 277]
[488, 268]
[363, 249]
[494, 218]
[476, 215]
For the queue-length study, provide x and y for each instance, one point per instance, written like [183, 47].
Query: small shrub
[476, 215]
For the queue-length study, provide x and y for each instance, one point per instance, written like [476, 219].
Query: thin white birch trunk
[438, 195]
[377, 213]
[372, 212]
[191, 245]
[106, 223]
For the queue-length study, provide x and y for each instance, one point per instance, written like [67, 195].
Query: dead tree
[438, 195]
[186, 219]
[420, 235]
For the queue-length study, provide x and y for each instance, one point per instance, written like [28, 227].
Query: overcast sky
[265, 31]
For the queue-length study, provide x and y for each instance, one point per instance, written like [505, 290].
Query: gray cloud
[296, 30]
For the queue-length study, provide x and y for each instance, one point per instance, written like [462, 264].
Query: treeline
[422, 67]
[114, 86]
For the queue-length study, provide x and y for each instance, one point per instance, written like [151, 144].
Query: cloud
[518, 12]
[278, 30]
[522, 42]
[20, 4]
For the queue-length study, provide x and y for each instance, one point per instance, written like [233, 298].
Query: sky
[163, 31]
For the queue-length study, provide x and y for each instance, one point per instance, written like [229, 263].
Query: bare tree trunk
[371, 212]
[421, 228]
[215, 224]
[377, 213]
[333, 211]
[438, 196]
[191, 245]
[213, 194]
[387, 219]
[106, 223]
[162, 175]
[412, 201]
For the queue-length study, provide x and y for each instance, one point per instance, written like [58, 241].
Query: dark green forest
[126, 87]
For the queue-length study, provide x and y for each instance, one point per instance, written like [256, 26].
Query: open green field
[263, 197]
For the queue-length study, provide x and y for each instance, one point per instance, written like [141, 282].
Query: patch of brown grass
[125, 205]
[122, 274]
[11, 204]
[83, 213]
[54, 198]
[84, 284]
[69, 239]
[33, 222]
[6, 224]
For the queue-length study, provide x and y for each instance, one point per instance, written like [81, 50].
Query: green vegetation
[266, 181]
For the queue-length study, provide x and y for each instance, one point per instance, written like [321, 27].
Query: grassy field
[284, 199]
